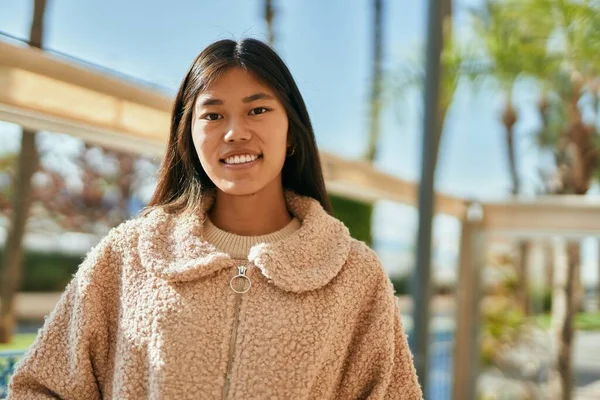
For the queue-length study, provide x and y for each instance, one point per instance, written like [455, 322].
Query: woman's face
[240, 130]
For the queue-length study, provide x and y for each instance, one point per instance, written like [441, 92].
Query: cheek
[202, 145]
[279, 134]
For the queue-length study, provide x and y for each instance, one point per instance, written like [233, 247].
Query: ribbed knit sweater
[238, 246]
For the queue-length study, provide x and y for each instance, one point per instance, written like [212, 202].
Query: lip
[242, 166]
[239, 153]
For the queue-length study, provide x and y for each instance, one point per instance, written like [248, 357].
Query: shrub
[46, 272]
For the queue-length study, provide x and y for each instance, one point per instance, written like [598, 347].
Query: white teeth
[240, 159]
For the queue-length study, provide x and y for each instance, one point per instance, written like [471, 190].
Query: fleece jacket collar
[172, 247]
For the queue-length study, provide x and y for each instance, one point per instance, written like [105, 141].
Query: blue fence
[439, 378]
[8, 359]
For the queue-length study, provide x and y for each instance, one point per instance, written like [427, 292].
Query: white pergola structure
[549, 217]
[42, 92]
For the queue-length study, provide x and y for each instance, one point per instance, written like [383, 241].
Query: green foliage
[401, 284]
[583, 321]
[502, 323]
[541, 298]
[47, 272]
[355, 215]
[457, 61]
[513, 34]
[19, 342]
[501, 315]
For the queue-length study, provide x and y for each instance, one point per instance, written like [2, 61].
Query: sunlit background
[81, 190]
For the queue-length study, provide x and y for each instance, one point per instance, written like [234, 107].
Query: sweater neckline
[238, 246]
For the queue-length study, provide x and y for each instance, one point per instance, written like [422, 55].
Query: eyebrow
[248, 99]
[258, 96]
[211, 102]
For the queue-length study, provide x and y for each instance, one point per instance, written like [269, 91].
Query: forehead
[235, 84]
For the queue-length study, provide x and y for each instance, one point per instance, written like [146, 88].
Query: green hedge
[355, 215]
[401, 284]
[46, 272]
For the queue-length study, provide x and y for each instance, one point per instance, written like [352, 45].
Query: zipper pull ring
[243, 283]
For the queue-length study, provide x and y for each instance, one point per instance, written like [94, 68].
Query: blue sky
[328, 48]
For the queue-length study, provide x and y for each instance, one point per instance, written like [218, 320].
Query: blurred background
[509, 298]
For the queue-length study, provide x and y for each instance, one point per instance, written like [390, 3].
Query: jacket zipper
[240, 284]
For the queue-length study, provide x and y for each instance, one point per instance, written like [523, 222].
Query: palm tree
[27, 165]
[564, 75]
[574, 142]
[516, 35]
[515, 50]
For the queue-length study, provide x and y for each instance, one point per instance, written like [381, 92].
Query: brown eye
[258, 111]
[212, 116]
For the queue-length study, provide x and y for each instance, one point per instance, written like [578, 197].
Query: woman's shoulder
[364, 261]
[107, 257]
[125, 233]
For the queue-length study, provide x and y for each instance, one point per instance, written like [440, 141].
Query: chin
[240, 189]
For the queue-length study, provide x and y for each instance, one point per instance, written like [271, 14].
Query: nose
[237, 131]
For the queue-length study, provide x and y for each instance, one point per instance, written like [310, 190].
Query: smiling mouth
[241, 159]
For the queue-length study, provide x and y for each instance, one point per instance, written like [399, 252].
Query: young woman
[236, 282]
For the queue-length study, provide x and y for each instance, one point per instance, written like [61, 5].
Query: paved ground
[589, 392]
[586, 357]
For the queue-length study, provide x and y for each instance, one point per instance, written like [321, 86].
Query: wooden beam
[466, 359]
[361, 181]
[44, 64]
[89, 133]
[26, 93]
[546, 216]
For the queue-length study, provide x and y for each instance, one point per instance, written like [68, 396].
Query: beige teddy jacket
[150, 314]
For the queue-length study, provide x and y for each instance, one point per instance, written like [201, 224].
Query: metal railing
[8, 360]
[439, 377]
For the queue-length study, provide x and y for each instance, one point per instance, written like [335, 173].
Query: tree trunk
[509, 119]
[549, 264]
[13, 254]
[27, 165]
[126, 170]
[269, 16]
[563, 311]
[524, 248]
[376, 80]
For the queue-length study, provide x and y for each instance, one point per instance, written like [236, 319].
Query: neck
[256, 214]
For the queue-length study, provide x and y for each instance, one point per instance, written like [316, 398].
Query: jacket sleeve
[70, 349]
[404, 383]
[379, 363]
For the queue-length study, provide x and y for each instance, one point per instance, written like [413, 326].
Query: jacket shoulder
[107, 255]
[365, 262]
[124, 236]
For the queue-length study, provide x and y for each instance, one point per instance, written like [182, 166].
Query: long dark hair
[182, 179]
